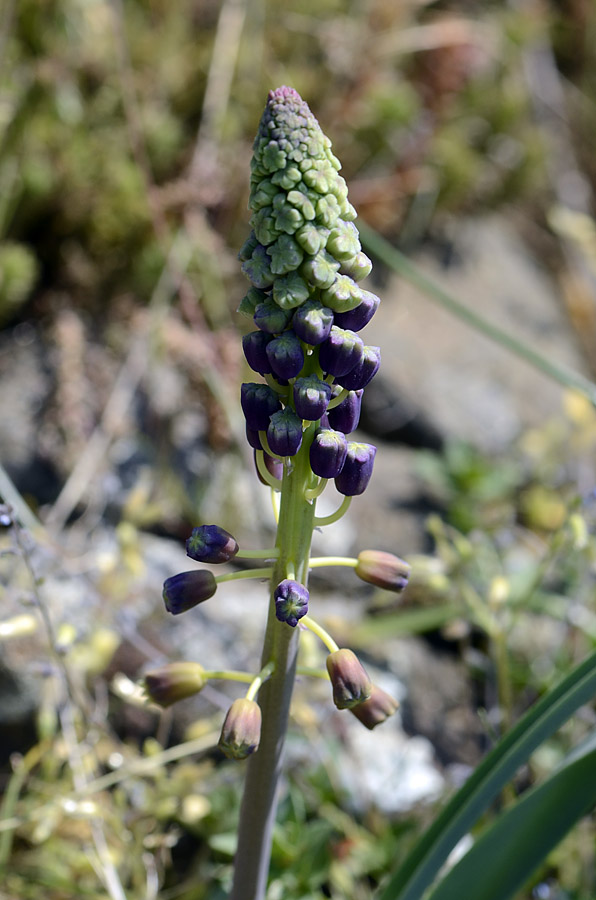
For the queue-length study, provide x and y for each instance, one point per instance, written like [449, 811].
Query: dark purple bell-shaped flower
[241, 730]
[357, 470]
[340, 352]
[284, 434]
[377, 709]
[355, 319]
[187, 589]
[271, 318]
[312, 322]
[254, 346]
[291, 601]
[211, 544]
[385, 570]
[174, 681]
[363, 372]
[253, 438]
[274, 466]
[346, 415]
[328, 453]
[286, 355]
[258, 402]
[350, 681]
[311, 396]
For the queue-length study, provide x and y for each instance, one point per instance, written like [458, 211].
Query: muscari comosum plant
[304, 260]
[305, 263]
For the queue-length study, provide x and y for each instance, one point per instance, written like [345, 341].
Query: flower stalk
[257, 812]
[304, 260]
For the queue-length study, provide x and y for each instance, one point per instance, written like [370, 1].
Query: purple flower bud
[351, 684]
[346, 415]
[291, 601]
[312, 322]
[377, 709]
[275, 467]
[311, 396]
[284, 434]
[355, 475]
[188, 589]
[383, 570]
[340, 352]
[363, 372]
[355, 319]
[328, 453]
[286, 355]
[174, 681]
[253, 438]
[254, 346]
[258, 402]
[271, 318]
[211, 544]
[241, 731]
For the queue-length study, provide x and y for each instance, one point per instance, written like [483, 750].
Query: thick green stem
[259, 803]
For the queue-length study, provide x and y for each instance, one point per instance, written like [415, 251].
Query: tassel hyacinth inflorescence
[308, 309]
[305, 262]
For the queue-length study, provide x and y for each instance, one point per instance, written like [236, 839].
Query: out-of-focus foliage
[101, 104]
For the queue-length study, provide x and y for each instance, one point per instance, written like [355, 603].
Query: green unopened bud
[351, 684]
[286, 255]
[383, 570]
[241, 731]
[343, 295]
[174, 681]
[344, 241]
[377, 709]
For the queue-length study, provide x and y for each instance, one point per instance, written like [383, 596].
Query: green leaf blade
[420, 869]
[507, 854]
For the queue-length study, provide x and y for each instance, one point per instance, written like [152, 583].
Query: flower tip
[382, 569]
[174, 681]
[291, 601]
[377, 709]
[349, 679]
[211, 544]
[241, 731]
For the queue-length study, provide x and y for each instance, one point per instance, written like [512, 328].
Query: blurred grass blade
[422, 865]
[383, 250]
[509, 851]
[410, 621]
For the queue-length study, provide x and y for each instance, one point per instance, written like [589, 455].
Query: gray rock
[469, 387]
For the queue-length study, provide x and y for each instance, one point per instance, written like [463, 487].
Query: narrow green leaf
[503, 859]
[422, 865]
[414, 621]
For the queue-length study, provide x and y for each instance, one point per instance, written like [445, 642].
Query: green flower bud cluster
[303, 243]
[305, 262]
[301, 213]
